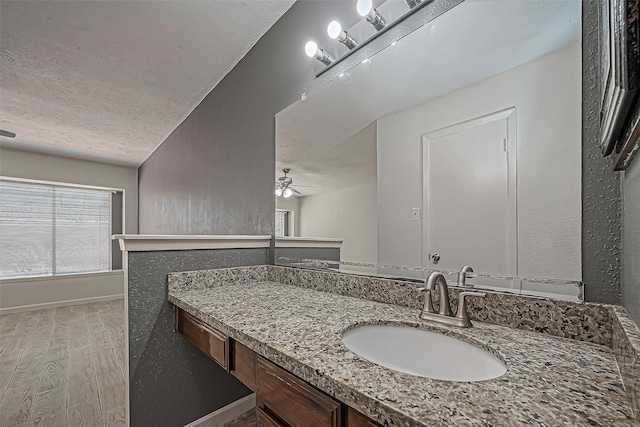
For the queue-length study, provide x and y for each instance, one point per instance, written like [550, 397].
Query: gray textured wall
[214, 174]
[171, 383]
[601, 195]
[631, 240]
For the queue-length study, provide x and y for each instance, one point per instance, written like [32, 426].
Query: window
[282, 223]
[51, 229]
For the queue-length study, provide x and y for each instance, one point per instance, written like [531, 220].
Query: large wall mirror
[460, 144]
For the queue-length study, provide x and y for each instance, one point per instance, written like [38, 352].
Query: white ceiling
[110, 80]
[473, 41]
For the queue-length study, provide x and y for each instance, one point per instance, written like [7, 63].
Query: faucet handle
[428, 303]
[462, 275]
[462, 306]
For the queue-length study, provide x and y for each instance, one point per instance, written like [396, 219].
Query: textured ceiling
[111, 80]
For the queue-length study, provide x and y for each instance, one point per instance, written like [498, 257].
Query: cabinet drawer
[292, 401]
[243, 364]
[211, 342]
[356, 419]
[265, 420]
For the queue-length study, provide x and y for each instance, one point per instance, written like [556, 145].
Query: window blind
[282, 222]
[50, 230]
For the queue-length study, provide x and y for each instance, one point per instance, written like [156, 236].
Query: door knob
[435, 258]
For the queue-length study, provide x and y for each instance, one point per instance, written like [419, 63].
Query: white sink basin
[423, 353]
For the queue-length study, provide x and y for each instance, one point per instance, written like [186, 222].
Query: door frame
[510, 115]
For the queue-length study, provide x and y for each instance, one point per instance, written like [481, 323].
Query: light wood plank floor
[63, 366]
[248, 419]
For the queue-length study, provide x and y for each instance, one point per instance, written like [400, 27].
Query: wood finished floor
[248, 419]
[63, 366]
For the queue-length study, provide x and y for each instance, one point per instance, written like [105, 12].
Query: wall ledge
[61, 276]
[308, 242]
[158, 242]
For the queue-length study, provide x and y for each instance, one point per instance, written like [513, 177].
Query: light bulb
[278, 191]
[334, 29]
[364, 7]
[287, 193]
[311, 49]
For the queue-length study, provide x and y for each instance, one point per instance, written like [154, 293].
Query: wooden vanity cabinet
[282, 399]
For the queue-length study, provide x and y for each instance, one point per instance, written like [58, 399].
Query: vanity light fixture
[312, 50]
[365, 8]
[412, 3]
[335, 31]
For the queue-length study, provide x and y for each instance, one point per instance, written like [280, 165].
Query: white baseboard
[226, 414]
[9, 310]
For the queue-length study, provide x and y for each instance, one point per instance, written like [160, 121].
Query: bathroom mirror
[460, 144]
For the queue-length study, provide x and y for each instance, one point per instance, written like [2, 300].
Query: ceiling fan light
[278, 191]
[287, 193]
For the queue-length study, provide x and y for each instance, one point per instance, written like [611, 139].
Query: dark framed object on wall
[629, 142]
[620, 76]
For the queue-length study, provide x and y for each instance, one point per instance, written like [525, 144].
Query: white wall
[28, 165]
[631, 239]
[291, 204]
[547, 95]
[348, 213]
[40, 292]
[46, 292]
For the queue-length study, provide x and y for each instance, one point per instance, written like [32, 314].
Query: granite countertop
[550, 381]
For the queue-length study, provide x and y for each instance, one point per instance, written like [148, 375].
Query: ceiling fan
[284, 185]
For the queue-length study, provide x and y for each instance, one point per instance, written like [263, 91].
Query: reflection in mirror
[568, 290]
[458, 145]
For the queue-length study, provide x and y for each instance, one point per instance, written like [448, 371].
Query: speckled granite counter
[550, 381]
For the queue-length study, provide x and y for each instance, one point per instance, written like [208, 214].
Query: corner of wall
[601, 195]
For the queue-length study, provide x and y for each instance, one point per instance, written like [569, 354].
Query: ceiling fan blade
[306, 186]
[7, 133]
[295, 191]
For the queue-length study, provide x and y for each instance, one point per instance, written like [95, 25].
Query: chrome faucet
[438, 279]
[445, 315]
[462, 276]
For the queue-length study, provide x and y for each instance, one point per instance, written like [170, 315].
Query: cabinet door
[265, 420]
[243, 364]
[211, 342]
[291, 401]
